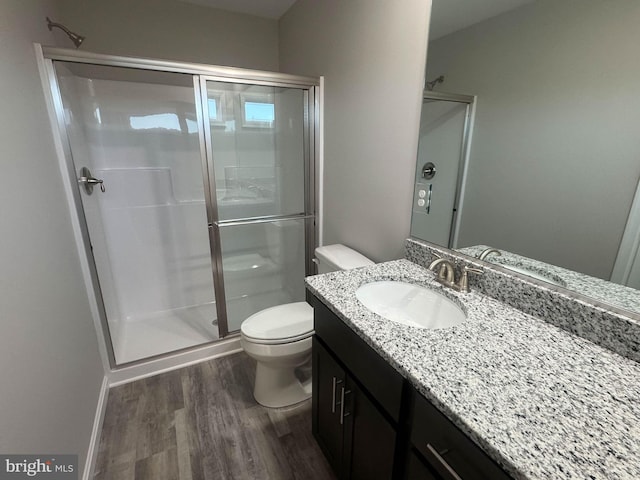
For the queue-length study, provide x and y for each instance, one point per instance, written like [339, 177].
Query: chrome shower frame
[201, 74]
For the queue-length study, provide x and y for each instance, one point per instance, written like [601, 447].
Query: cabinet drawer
[372, 371]
[446, 449]
[417, 470]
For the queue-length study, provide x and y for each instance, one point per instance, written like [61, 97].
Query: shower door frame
[200, 73]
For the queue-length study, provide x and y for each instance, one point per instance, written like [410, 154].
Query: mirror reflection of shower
[443, 148]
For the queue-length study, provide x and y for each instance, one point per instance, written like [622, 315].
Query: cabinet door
[328, 382]
[370, 439]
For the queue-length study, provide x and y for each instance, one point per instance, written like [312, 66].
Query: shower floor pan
[164, 332]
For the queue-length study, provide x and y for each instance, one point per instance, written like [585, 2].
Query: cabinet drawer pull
[343, 392]
[335, 382]
[446, 468]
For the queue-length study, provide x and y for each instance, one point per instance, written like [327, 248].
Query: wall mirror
[554, 151]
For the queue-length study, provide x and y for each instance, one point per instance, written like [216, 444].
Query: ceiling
[447, 16]
[261, 8]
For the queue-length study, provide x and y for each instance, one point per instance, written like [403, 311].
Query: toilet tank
[331, 258]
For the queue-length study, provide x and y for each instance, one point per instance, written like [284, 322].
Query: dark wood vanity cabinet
[371, 424]
[356, 402]
[355, 436]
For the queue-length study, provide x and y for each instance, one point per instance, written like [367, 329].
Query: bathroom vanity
[372, 424]
[502, 395]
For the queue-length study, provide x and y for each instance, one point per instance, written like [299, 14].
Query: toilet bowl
[279, 338]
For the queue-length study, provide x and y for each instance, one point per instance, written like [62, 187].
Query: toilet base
[278, 387]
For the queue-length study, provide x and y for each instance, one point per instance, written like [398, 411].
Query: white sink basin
[410, 304]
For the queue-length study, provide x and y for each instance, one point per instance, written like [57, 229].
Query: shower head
[75, 38]
[433, 83]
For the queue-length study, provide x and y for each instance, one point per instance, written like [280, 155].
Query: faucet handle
[463, 284]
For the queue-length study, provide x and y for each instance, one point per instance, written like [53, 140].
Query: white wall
[50, 368]
[169, 29]
[372, 55]
[555, 153]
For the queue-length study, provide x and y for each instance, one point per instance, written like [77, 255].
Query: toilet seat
[278, 341]
[281, 324]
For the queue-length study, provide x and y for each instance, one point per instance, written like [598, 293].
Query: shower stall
[194, 191]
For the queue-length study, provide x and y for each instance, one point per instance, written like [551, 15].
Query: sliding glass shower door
[256, 143]
[136, 133]
[193, 187]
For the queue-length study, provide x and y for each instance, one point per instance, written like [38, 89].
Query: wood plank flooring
[201, 422]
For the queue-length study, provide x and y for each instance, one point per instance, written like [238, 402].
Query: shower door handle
[88, 181]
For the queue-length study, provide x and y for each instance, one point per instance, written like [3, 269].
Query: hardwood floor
[201, 422]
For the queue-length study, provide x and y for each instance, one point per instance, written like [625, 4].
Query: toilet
[279, 338]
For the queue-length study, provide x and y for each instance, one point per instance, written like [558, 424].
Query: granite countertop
[605, 291]
[543, 403]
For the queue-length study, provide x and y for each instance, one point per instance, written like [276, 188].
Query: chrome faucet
[489, 251]
[445, 274]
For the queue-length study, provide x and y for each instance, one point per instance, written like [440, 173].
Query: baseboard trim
[181, 360]
[94, 443]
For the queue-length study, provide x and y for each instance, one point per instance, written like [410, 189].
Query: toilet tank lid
[342, 256]
[279, 322]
